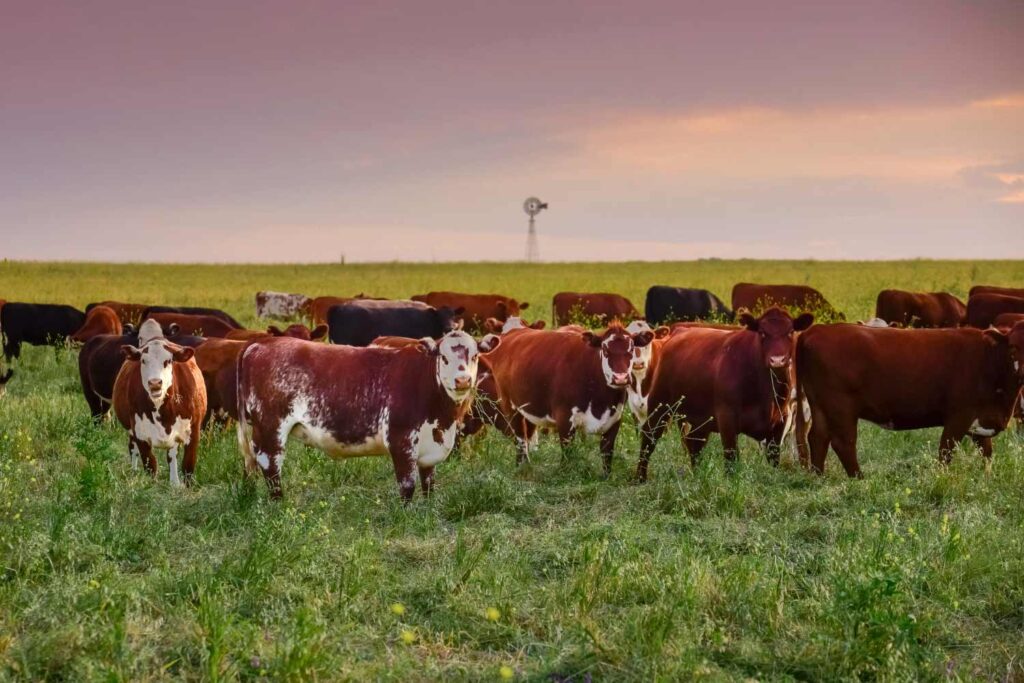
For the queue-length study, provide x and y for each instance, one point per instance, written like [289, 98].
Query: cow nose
[155, 384]
[620, 379]
[463, 383]
[778, 361]
[639, 366]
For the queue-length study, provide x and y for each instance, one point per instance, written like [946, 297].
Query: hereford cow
[193, 310]
[962, 380]
[296, 331]
[495, 326]
[98, 320]
[160, 398]
[36, 324]
[757, 298]
[281, 305]
[572, 382]
[477, 308]
[989, 289]
[919, 309]
[730, 382]
[983, 309]
[355, 401]
[591, 308]
[201, 325]
[128, 314]
[673, 304]
[645, 360]
[358, 323]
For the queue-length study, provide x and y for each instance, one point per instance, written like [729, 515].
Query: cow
[320, 307]
[757, 298]
[36, 324]
[349, 401]
[477, 308]
[919, 309]
[98, 320]
[983, 309]
[963, 380]
[202, 325]
[296, 330]
[591, 307]
[358, 323]
[674, 304]
[281, 305]
[645, 359]
[1007, 319]
[731, 382]
[127, 313]
[160, 398]
[192, 310]
[495, 326]
[572, 382]
[989, 289]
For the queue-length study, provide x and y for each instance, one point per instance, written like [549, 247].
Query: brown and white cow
[201, 325]
[645, 361]
[296, 331]
[757, 298]
[281, 305]
[591, 307]
[983, 309]
[571, 382]
[964, 380]
[919, 309]
[160, 398]
[99, 320]
[731, 382]
[495, 326]
[350, 401]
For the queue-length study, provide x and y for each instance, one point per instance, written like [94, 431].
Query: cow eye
[445, 359]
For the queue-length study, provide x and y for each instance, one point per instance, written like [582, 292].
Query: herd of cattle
[409, 378]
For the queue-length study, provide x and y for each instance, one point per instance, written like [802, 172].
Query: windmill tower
[532, 206]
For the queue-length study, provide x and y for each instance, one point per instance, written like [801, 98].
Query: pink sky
[300, 131]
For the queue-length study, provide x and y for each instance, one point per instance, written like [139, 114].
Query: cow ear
[523, 306]
[493, 325]
[173, 329]
[319, 332]
[275, 331]
[643, 338]
[130, 352]
[460, 310]
[489, 343]
[662, 331]
[503, 307]
[803, 321]
[539, 325]
[591, 338]
[183, 354]
[748, 321]
[428, 345]
[995, 337]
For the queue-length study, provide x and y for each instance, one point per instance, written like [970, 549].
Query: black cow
[193, 310]
[37, 324]
[674, 304]
[358, 323]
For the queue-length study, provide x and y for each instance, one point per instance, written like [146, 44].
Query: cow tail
[243, 429]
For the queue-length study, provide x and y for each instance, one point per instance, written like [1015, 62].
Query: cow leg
[12, 349]
[188, 464]
[650, 432]
[427, 480]
[844, 442]
[773, 444]
[818, 440]
[147, 456]
[695, 439]
[134, 452]
[267, 450]
[984, 443]
[403, 456]
[524, 431]
[728, 428]
[172, 466]
[952, 433]
[608, 447]
[565, 432]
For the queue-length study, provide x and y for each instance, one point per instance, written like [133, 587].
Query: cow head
[148, 330]
[298, 331]
[1014, 340]
[512, 323]
[457, 355]
[643, 354]
[617, 346]
[155, 365]
[775, 329]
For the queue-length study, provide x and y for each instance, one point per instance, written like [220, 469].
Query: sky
[300, 131]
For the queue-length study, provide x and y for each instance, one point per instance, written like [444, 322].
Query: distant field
[914, 573]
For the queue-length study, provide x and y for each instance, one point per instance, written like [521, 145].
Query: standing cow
[281, 305]
[346, 401]
[983, 309]
[37, 324]
[358, 323]
[665, 305]
[919, 309]
[599, 308]
[757, 298]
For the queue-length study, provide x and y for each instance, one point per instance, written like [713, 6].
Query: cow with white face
[160, 398]
[406, 402]
[644, 363]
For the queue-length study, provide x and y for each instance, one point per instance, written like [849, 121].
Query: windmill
[532, 206]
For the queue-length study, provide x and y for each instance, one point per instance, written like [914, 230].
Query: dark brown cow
[321, 306]
[352, 401]
[962, 380]
[757, 298]
[730, 382]
[296, 331]
[572, 382]
[598, 308]
[99, 320]
[201, 325]
[160, 398]
[477, 308]
[128, 314]
[983, 309]
[919, 309]
[989, 289]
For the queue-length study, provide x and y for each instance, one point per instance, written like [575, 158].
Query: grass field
[545, 572]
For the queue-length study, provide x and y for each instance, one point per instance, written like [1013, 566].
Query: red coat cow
[599, 308]
[352, 401]
[127, 313]
[919, 309]
[296, 331]
[477, 308]
[962, 380]
[200, 325]
[730, 382]
[160, 398]
[989, 289]
[757, 298]
[983, 309]
[99, 320]
[1007, 319]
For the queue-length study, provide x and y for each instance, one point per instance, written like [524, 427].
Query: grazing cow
[983, 309]
[572, 382]
[919, 309]
[358, 323]
[297, 331]
[281, 305]
[4, 379]
[1007, 319]
[477, 308]
[495, 326]
[348, 401]
[599, 308]
[98, 320]
[673, 304]
[730, 382]
[202, 325]
[160, 398]
[128, 314]
[36, 324]
[962, 380]
[193, 310]
[758, 298]
[989, 289]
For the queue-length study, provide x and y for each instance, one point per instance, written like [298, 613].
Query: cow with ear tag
[160, 398]
[406, 401]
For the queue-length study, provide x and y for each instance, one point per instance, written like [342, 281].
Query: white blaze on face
[157, 370]
[457, 364]
[148, 331]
